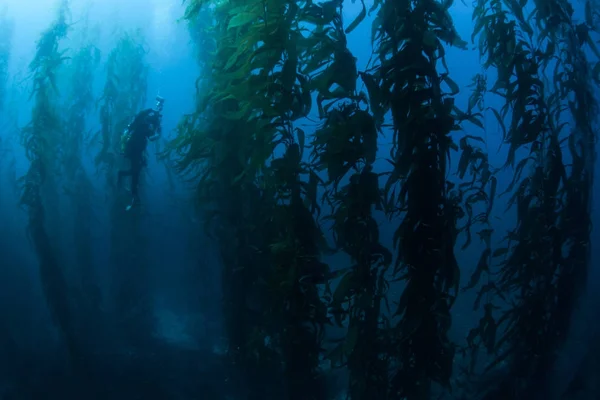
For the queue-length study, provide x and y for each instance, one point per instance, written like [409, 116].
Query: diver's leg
[136, 169]
[121, 175]
[135, 182]
[125, 172]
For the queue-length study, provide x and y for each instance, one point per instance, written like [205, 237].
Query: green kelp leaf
[250, 6]
[375, 6]
[482, 266]
[376, 97]
[240, 114]
[454, 89]
[473, 118]
[358, 19]
[241, 19]
[233, 58]
[376, 28]
[500, 122]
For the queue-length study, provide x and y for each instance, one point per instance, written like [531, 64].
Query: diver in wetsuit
[145, 126]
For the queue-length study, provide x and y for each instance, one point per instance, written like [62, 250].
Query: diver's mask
[159, 103]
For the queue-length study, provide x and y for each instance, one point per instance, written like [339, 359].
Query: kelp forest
[362, 200]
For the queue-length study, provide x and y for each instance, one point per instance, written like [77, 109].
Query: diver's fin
[134, 203]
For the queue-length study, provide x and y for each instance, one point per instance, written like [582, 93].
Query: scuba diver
[145, 126]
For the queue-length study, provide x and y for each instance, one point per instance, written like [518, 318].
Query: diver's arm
[157, 134]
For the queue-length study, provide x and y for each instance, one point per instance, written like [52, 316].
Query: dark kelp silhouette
[245, 150]
[41, 139]
[545, 259]
[78, 104]
[124, 94]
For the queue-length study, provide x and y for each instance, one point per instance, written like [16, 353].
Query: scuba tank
[125, 137]
[139, 120]
[127, 133]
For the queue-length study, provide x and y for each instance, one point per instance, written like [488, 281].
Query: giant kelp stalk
[409, 38]
[547, 253]
[38, 138]
[577, 85]
[363, 288]
[298, 315]
[123, 96]
[79, 105]
[270, 242]
[346, 145]
[212, 148]
[480, 191]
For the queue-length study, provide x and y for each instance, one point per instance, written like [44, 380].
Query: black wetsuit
[146, 124]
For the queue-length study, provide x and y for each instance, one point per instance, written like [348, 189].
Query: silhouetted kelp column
[270, 241]
[38, 138]
[79, 104]
[123, 96]
[409, 39]
[577, 85]
[298, 314]
[547, 254]
[345, 146]
[214, 145]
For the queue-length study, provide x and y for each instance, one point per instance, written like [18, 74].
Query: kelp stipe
[552, 201]
[257, 90]
[254, 207]
[79, 105]
[124, 94]
[406, 82]
[271, 242]
[345, 148]
[213, 147]
[39, 140]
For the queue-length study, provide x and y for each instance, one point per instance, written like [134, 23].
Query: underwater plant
[79, 105]
[123, 95]
[536, 289]
[242, 146]
[235, 203]
[245, 151]
[39, 138]
[345, 148]
[406, 82]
